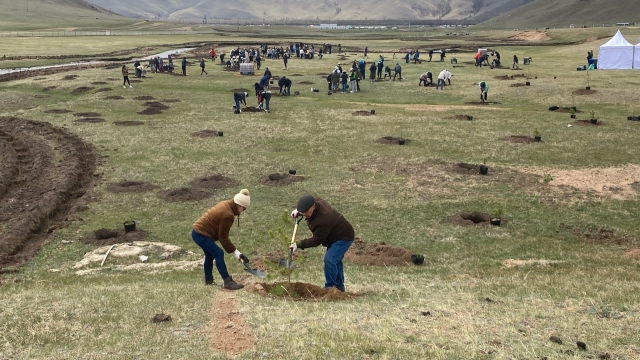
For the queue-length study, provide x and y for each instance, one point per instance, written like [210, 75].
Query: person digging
[329, 229]
[240, 98]
[213, 226]
[484, 90]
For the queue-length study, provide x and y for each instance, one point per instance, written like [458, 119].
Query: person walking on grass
[285, 59]
[184, 66]
[353, 76]
[125, 75]
[202, 65]
[214, 226]
[484, 90]
[515, 62]
[330, 229]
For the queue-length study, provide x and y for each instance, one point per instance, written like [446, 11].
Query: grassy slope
[60, 315]
[550, 13]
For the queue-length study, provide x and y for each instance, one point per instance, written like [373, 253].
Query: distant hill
[312, 10]
[562, 13]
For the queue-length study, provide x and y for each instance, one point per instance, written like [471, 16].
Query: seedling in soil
[547, 178]
[496, 216]
[536, 135]
[282, 235]
[484, 169]
[572, 111]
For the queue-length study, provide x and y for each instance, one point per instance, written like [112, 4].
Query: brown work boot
[229, 284]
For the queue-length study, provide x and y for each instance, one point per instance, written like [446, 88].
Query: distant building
[330, 26]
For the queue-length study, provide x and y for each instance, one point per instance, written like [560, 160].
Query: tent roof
[617, 40]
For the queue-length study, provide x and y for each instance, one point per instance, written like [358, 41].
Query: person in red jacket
[213, 226]
[213, 54]
[329, 229]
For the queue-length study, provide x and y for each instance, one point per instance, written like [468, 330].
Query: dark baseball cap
[305, 203]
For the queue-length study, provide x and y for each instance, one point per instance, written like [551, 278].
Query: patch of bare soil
[586, 123]
[568, 110]
[156, 105]
[57, 111]
[184, 194]
[99, 83]
[39, 186]
[281, 179]
[530, 36]
[363, 113]
[144, 98]
[205, 133]
[38, 96]
[632, 254]
[461, 117]
[103, 90]
[517, 85]
[128, 186]
[114, 97]
[296, 75]
[227, 330]
[519, 139]
[150, 111]
[392, 140]
[87, 114]
[89, 120]
[128, 123]
[377, 254]
[213, 182]
[306, 83]
[41, 78]
[251, 109]
[601, 235]
[469, 218]
[297, 291]
[102, 237]
[49, 71]
[171, 100]
[70, 77]
[49, 88]
[503, 77]
[584, 92]
[81, 89]
[239, 90]
[481, 103]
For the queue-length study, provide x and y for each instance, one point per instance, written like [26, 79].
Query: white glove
[293, 247]
[237, 254]
[295, 213]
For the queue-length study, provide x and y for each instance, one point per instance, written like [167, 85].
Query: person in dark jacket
[430, 55]
[372, 72]
[136, 66]
[259, 88]
[330, 229]
[267, 72]
[380, 66]
[285, 86]
[344, 80]
[240, 98]
[184, 66]
[214, 226]
[285, 59]
[515, 61]
[397, 72]
[202, 65]
[426, 78]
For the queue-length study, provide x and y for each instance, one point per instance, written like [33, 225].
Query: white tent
[617, 53]
[636, 57]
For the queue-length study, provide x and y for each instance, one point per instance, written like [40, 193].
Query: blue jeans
[353, 86]
[266, 98]
[440, 84]
[288, 90]
[211, 252]
[344, 87]
[333, 270]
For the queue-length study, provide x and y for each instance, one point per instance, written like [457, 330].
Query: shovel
[289, 263]
[256, 272]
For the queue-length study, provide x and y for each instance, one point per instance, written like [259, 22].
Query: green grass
[389, 193]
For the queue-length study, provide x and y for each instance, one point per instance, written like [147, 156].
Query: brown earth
[391, 140]
[281, 179]
[171, 100]
[184, 194]
[31, 73]
[57, 111]
[103, 90]
[87, 114]
[517, 85]
[601, 235]
[99, 83]
[127, 186]
[306, 83]
[470, 218]
[530, 36]
[568, 110]
[128, 123]
[70, 77]
[81, 89]
[227, 331]
[251, 109]
[586, 123]
[89, 120]
[632, 254]
[39, 186]
[584, 92]
[150, 111]
[519, 139]
[377, 254]
[362, 113]
[102, 237]
[503, 77]
[461, 117]
[205, 133]
[157, 105]
[38, 96]
[114, 97]
[296, 75]
[297, 291]
[213, 182]
[49, 88]
[481, 103]
[145, 98]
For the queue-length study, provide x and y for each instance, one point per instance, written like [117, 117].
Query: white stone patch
[134, 249]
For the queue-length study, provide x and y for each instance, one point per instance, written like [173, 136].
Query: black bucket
[129, 226]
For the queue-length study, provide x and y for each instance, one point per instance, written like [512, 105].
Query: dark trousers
[333, 267]
[126, 80]
[184, 70]
[211, 252]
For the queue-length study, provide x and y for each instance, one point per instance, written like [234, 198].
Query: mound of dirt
[103, 90]
[392, 140]
[57, 111]
[81, 89]
[568, 109]
[517, 85]
[503, 77]
[184, 194]
[584, 92]
[213, 182]
[296, 75]
[205, 133]
[519, 139]
[145, 97]
[90, 120]
[281, 179]
[470, 218]
[70, 77]
[128, 123]
[49, 88]
[130, 186]
[362, 113]
[87, 114]
[377, 254]
[40, 78]
[306, 83]
[251, 109]
[150, 111]
[171, 100]
[464, 168]
[586, 123]
[239, 90]
[156, 105]
[39, 186]
[99, 83]
[299, 292]
[462, 117]
[104, 237]
[114, 97]
[601, 235]
[530, 36]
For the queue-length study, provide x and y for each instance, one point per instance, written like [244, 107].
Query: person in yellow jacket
[213, 226]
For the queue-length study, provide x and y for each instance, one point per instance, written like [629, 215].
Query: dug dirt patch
[102, 237]
[156, 105]
[114, 97]
[128, 123]
[213, 182]
[251, 109]
[519, 139]
[298, 291]
[517, 85]
[81, 89]
[69, 77]
[390, 140]
[461, 117]
[205, 133]
[228, 323]
[130, 186]
[503, 77]
[469, 218]
[602, 235]
[362, 113]
[90, 120]
[280, 179]
[57, 111]
[586, 123]
[150, 111]
[99, 83]
[377, 254]
[144, 98]
[531, 36]
[87, 114]
[584, 92]
[184, 194]
[49, 88]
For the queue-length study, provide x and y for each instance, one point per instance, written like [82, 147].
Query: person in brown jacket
[125, 75]
[329, 229]
[214, 225]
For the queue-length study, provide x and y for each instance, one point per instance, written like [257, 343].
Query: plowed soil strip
[37, 191]
[228, 331]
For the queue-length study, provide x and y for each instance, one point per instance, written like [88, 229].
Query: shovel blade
[259, 273]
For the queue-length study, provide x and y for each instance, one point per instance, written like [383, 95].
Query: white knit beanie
[242, 198]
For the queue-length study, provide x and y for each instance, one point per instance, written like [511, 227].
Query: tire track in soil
[227, 331]
[36, 191]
